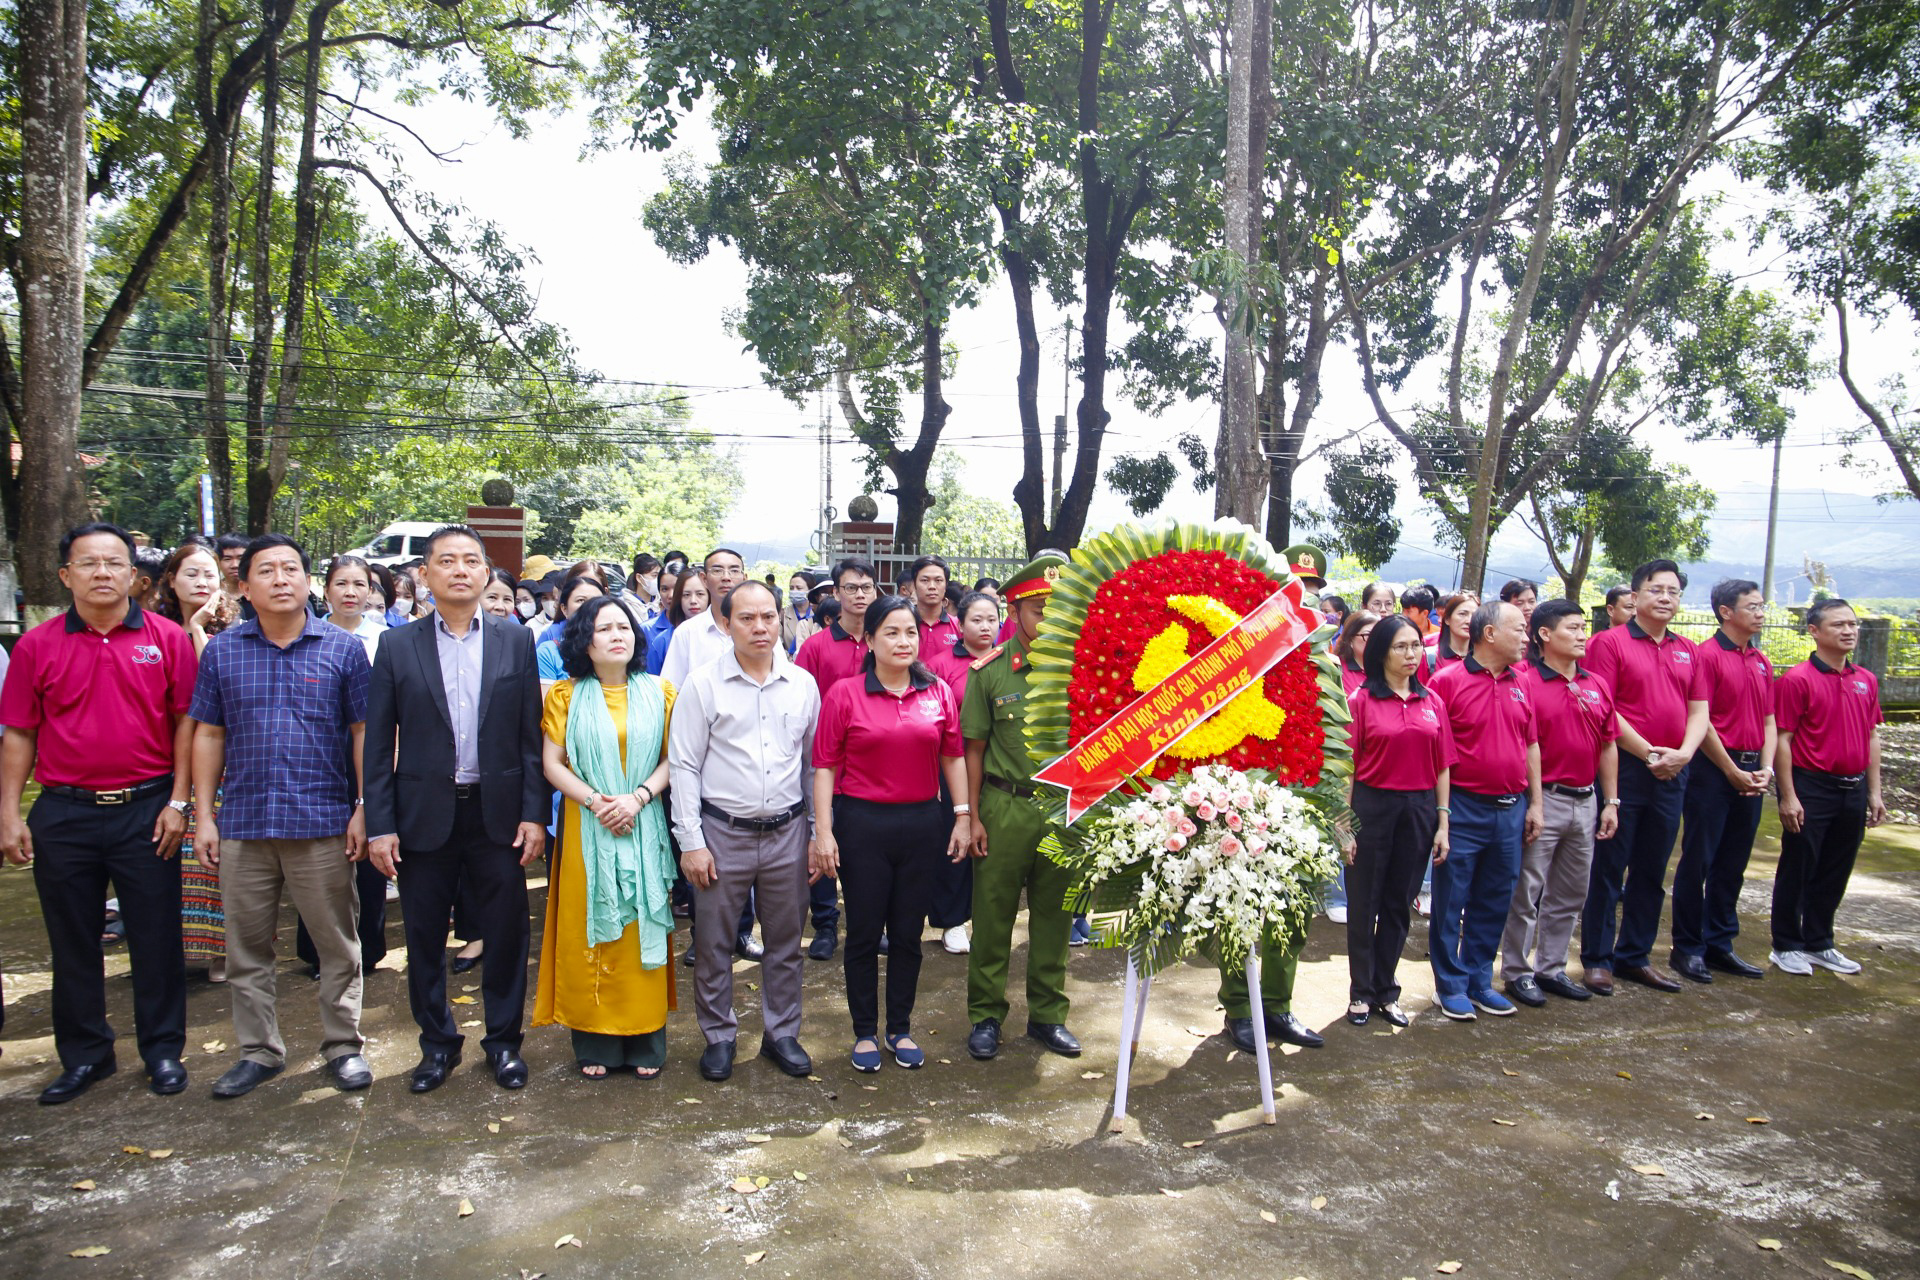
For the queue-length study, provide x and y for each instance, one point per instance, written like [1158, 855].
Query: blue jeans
[1472, 891]
[1337, 891]
[1714, 848]
[1630, 870]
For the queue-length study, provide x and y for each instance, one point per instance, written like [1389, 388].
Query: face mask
[798, 599]
[548, 607]
[525, 608]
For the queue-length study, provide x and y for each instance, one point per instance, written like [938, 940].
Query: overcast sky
[635, 315]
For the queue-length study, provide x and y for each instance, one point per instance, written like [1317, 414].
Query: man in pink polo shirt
[1495, 806]
[1657, 694]
[1828, 710]
[1723, 802]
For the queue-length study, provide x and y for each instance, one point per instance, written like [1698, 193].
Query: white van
[399, 542]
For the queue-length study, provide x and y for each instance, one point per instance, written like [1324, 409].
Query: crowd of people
[215, 728]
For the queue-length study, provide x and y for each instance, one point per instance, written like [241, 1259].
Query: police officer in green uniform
[1277, 965]
[1007, 834]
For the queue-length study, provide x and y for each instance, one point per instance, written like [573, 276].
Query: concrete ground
[1782, 1110]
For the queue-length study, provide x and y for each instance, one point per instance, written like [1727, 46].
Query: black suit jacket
[410, 756]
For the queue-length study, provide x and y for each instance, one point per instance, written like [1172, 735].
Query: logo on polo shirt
[1428, 713]
[1682, 656]
[147, 655]
[1859, 686]
[929, 706]
[1517, 693]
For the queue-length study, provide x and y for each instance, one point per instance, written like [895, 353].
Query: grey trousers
[1552, 888]
[320, 880]
[774, 865]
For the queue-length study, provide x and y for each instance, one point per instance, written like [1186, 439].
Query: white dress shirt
[744, 748]
[696, 643]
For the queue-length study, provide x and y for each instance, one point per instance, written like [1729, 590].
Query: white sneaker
[1831, 959]
[393, 891]
[1797, 962]
[1424, 903]
[1337, 914]
[956, 940]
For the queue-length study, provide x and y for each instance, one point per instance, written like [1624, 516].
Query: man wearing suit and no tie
[458, 693]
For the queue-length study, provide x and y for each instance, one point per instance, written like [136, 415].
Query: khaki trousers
[317, 875]
[1554, 875]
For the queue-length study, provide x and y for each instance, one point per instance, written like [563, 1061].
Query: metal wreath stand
[1133, 1010]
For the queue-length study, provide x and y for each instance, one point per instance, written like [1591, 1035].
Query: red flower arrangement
[1131, 609]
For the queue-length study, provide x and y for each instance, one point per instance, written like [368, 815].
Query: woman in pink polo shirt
[1349, 645]
[883, 743]
[1403, 755]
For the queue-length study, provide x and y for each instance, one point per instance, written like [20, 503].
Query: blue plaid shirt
[287, 713]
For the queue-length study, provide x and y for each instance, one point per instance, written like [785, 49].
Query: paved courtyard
[1782, 1111]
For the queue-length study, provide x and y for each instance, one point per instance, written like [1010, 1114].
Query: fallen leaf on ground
[1769, 1244]
[1171, 1195]
[1195, 1031]
[1650, 1170]
[1092, 1075]
[690, 1102]
[159, 1153]
[493, 1127]
[816, 1079]
[1844, 1268]
[91, 1251]
[135, 1151]
[909, 1179]
[1505, 1072]
[871, 1088]
[1318, 1202]
[471, 987]
[1758, 1120]
[1613, 1190]
[922, 1120]
[1704, 1115]
[215, 1046]
[1508, 1123]
[759, 1137]
[1624, 1075]
[532, 1275]
[1268, 1215]
[471, 1022]
[799, 1176]
[506, 1119]
[466, 1209]
[745, 1186]
[463, 1000]
[1383, 1033]
[763, 1181]
[1195, 1143]
[756, 1256]
[846, 1143]
[946, 1062]
[1448, 1268]
[567, 1240]
[85, 1184]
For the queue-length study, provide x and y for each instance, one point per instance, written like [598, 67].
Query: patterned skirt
[203, 925]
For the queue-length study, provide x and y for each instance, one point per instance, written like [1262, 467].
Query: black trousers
[1393, 845]
[952, 884]
[78, 848]
[1715, 844]
[889, 854]
[372, 888]
[430, 879]
[1816, 861]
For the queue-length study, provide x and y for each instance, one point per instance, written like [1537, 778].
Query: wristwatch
[1615, 800]
[178, 806]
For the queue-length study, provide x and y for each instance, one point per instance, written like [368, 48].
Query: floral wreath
[1228, 835]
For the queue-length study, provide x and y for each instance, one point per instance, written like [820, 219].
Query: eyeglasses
[1409, 649]
[1661, 593]
[856, 588]
[92, 566]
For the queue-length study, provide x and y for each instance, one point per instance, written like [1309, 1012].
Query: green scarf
[629, 877]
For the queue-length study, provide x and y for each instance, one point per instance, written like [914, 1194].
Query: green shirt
[995, 712]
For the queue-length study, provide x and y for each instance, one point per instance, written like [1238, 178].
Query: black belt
[1844, 781]
[777, 821]
[466, 790]
[1499, 802]
[122, 796]
[1576, 793]
[1745, 759]
[1025, 790]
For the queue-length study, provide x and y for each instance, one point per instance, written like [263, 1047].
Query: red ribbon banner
[1136, 735]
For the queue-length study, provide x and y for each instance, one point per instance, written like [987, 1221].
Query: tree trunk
[1242, 481]
[15, 413]
[53, 265]
[260, 358]
[1030, 491]
[910, 466]
[216, 123]
[1903, 458]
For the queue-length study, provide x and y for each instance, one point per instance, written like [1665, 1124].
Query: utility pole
[1241, 490]
[1773, 521]
[1060, 421]
[826, 476]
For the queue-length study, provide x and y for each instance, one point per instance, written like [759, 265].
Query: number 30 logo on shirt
[147, 655]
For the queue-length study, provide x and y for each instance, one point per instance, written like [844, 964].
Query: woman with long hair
[574, 592]
[1403, 755]
[688, 599]
[349, 588]
[882, 747]
[497, 596]
[1454, 640]
[1350, 644]
[187, 591]
[606, 970]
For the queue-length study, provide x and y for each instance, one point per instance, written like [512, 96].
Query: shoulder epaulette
[986, 657]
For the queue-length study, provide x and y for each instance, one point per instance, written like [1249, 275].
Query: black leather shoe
[1288, 1029]
[461, 964]
[1392, 1014]
[717, 1062]
[243, 1077]
[748, 947]
[984, 1041]
[1564, 987]
[1727, 962]
[1692, 968]
[1240, 1031]
[166, 1076]
[823, 944]
[350, 1071]
[1526, 989]
[687, 959]
[1053, 1037]
[786, 1054]
[509, 1069]
[432, 1071]
[75, 1081]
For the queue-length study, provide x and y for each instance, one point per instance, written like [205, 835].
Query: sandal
[912, 1057]
[606, 1072]
[649, 1073]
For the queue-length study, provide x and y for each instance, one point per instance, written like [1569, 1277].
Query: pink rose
[1193, 795]
[1233, 821]
[1243, 800]
[1256, 844]
[1187, 828]
[1176, 842]
[1261, 824]
[1205, 812]
[1219, 798]
[1174, 816]
[1160, 795]
[1232, 847]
